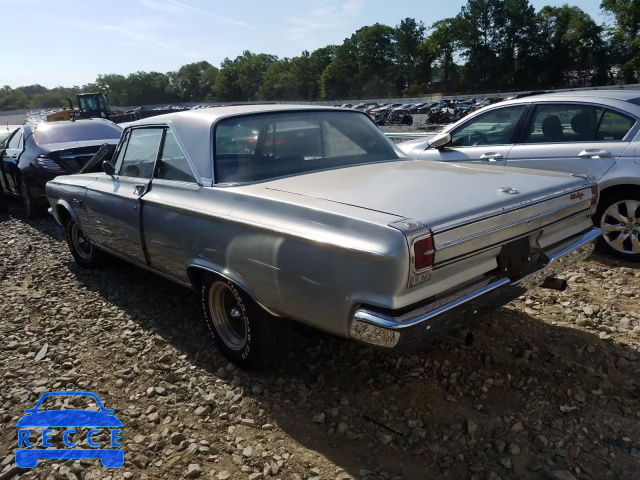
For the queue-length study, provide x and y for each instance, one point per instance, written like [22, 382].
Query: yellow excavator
[90, 105]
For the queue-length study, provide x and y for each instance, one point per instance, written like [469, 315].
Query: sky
[71, 42]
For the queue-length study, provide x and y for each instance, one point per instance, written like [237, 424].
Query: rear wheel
[242, 330]
[83, 251]
[619, 218]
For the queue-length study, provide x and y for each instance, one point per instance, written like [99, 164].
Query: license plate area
[519, 258]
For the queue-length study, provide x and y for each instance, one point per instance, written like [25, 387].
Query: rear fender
[198, 266]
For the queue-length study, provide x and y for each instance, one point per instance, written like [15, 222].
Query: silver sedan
[595, 132]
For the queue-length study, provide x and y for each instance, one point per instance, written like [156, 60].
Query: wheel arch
[195, 272]
[63, 213]
[614, 189]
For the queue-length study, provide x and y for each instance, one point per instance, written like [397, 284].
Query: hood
[430, 192]
[69, 418]
[407, 146]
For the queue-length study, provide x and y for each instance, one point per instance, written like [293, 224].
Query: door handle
[593, 153]
[491, 156]
[139, 189]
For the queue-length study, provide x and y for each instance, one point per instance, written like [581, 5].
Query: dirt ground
[549, 389]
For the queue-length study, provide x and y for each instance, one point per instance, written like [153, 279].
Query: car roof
[616, 94]
[193, 127]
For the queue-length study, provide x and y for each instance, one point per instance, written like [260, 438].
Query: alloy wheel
[620, 225]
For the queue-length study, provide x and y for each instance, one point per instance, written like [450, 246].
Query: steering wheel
[477, 138]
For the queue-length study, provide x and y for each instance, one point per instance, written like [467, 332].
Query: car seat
[580, 124]
[552, 128]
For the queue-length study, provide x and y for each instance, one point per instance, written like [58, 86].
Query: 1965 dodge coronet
[305, 213]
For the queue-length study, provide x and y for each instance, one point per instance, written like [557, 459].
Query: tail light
[595, 193]
[423, 253]
[47, 164]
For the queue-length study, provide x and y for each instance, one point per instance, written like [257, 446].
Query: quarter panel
[302, 263]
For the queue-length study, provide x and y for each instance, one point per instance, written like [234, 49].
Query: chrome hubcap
[619, 225]
[227, 315]
[81, 243]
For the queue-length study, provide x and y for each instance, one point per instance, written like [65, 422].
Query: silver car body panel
[316, 247]
[619, 165]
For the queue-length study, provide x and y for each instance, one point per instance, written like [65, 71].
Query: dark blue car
[70, 419]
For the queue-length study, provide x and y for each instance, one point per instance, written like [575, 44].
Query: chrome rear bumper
[426, 323]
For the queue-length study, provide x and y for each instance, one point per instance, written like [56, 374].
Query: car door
[574, 137]
[10, 157]
[113, 203]
[484, 138]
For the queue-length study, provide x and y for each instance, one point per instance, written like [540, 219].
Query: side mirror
[30, 411]
[441, 140]
[108, 168]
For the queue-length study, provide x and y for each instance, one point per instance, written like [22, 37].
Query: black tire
[84, 252]
[29, 206]
[244, 332]
[613, 227]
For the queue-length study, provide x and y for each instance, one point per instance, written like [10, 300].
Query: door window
[15, 141]
[491, 128]
[172, 164]
[554, 123]
[141, 153]
[614, 126]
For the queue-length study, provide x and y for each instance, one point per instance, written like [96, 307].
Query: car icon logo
[509, 190]
[69, 420]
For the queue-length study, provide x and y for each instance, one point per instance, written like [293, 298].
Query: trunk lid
[72, 156]
[433, 193]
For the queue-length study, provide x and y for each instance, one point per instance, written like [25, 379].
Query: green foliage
[491, 45]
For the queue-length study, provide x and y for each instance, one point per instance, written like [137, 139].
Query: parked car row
[277, 212]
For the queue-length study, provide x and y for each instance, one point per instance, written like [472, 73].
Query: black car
[39, 152]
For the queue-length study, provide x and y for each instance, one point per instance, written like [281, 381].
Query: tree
[573, 52]
[443, 44]
[625, 37]
[410, 59]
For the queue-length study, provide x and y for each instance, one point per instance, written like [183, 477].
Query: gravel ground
[550, 388]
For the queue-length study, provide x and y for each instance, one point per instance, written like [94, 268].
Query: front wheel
[618, 216]
[83, 251]
[242, 330]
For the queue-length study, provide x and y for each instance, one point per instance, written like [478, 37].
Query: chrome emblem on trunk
[509, 190]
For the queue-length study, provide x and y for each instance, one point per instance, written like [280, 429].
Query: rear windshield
[261, 147]
[63, 132]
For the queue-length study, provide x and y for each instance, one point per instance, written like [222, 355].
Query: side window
[16, 140]
[491, 128]
[141, 153]
[555, 123]
[614, 126]
[172, 164]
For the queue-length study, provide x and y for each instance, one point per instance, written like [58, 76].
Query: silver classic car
[311, 214]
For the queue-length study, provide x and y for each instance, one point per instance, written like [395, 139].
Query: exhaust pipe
[555, 284]
[461, 335]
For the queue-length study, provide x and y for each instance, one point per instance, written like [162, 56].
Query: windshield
[262, 147]
[62, 132]
[4, 135]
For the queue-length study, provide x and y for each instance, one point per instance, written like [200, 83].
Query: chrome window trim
[199, 180]
[143, 127]
[182, 150]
